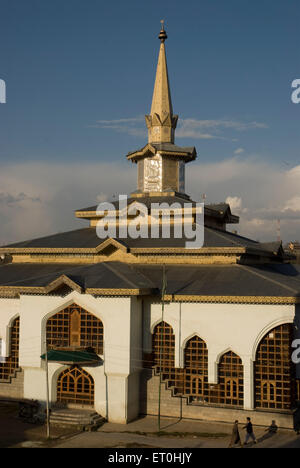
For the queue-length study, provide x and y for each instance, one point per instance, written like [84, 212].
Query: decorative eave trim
[44, 250]
[16, 291]
[119, 292]
[184, 250]
[189, 156]
[208, 212]
[61, 281]
[142, 152]
[108, 242]
[64, 250]
[44, 290]
[233, 299]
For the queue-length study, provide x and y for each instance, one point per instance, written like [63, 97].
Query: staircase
[13, 387]
[83, 420]
[169, 385]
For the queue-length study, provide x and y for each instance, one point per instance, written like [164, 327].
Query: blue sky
[80, 77]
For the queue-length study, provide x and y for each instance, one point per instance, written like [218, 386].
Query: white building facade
[137, 326]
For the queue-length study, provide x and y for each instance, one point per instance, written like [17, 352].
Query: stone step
[93, 420]
[80, 418]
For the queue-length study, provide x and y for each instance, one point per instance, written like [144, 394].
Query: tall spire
[161, 122]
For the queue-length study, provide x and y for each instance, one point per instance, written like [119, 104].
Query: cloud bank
[224, 129]
[38, 199]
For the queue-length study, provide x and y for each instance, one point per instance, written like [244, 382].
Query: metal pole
[47, 394]
[161, 343]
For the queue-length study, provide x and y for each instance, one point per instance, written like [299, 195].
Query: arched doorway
[75, 386]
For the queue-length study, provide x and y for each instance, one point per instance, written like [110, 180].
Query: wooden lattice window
[298, 389]
[195, 369]
[74, 328]
[230, 388]
[11, 363]
[163, 346]
[274, 370]
[75, 386]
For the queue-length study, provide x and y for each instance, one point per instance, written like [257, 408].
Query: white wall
[9, 310]
[224, 327]
[121, 317]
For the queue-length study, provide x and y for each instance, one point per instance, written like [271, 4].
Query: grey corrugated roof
[146, 201]
[204, 280]
[228, 280]
[79, 238]
[101, 275]
[87, 238]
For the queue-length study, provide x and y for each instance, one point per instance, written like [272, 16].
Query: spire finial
[162, 35]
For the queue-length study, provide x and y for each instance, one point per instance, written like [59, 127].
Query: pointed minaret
[161, 163]
[161, 122]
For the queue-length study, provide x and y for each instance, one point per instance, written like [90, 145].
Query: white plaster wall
[224, 327]
[35, 386]
[122, 320]
[236, 327]
[114, 312]
[9, 310]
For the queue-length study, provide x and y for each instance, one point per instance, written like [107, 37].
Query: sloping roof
[100, 276]
[228, 280]
[188, 152]
[207, 282]
[146, 201]
[79, 238]
[87, 238]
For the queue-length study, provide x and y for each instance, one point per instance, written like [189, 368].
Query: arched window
[163, 347]
[195, 369]
[230, 387]
[75, 386]
[274, 370]
[74, 327]
[11, 363]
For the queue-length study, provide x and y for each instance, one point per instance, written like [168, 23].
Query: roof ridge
[24, 243]
[269, 279]
[223, 237]
[59, 274]
[120, 275]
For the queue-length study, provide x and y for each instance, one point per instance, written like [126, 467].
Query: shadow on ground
[15, 432]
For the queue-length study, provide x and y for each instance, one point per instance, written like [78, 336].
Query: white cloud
[187, 128]
[293, 204]
[267, 192]
[235, 204]
[239, 151]
[39, 199]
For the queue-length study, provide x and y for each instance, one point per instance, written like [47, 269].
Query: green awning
[72, 357]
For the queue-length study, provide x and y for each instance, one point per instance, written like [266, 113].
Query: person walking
[235, 436]
[249, 432]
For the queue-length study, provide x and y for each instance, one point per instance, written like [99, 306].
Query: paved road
[183, 434]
